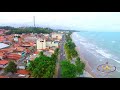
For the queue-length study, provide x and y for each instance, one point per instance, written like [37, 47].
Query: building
[2, 55]
[4, 77]
[52, 44]
[2, 45]
[2, 38]
[56, 36]
[23, 73]
[14, 56]
[41, 44]
[20, 67]
[3, 63]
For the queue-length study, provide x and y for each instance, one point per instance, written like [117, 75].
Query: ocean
[99, 48]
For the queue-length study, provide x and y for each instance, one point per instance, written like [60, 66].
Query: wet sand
[87, 66]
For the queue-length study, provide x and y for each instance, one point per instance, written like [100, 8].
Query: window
[41, 41]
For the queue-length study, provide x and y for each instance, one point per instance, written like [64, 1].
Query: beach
[96, 49]
[88, 68]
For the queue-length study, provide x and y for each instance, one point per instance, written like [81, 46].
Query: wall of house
[41, 45]
[3, 66]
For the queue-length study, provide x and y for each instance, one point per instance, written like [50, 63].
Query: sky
[91, 21]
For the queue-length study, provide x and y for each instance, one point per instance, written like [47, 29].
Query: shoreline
[88, 69]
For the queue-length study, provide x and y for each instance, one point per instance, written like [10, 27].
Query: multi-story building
[41, 44]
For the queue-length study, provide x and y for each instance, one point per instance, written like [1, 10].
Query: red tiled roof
[20, 49]
[36, 52]
[2, 38]
[7, 50]
[31, 44]
[14, 56]
[27, 50]
[1, 54]
[24, 72]
[3, 62]
[4, 77]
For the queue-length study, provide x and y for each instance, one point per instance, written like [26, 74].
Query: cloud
[70, 20]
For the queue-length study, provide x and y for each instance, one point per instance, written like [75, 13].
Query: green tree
[11, 67]
[68, 69]
[80, 66]
[57, 51]
[41, 53]
[43, 66]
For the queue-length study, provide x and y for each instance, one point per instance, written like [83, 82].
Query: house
[2, 55]
[56, 36]
[2, 45]
[7, 50]
[23, 73]
[20, 67]
[3, 76]
[3, 63]
[2, 38]
[14, 56]
[46, 35]
[20, 49]
[30, 39]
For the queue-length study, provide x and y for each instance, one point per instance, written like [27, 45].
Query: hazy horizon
[90, 21]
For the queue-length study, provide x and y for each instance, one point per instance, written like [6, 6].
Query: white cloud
[70, 20]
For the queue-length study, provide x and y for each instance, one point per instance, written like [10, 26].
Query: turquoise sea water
[105, 46]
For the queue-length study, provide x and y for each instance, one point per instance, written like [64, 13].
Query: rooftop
[24, 72]
[3, 62]
[4, 77]
[2, 45]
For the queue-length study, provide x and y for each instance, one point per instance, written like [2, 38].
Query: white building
[44, 44]
[41, 43]
[52, 44]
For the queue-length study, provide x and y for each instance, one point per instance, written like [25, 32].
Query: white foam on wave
[103, 53]
[116, 60]
[117, 70]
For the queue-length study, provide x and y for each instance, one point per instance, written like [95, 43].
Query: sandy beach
[87, 66]
[88, 69]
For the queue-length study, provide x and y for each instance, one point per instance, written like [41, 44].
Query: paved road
[62, 56]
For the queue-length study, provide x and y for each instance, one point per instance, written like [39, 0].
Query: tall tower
[34, 20]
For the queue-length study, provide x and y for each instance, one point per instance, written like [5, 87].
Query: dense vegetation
[43, 66]
[6, 27]
[70, 48]
[12, 67]
[21, 30]
[70, 70]
[80, 66]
